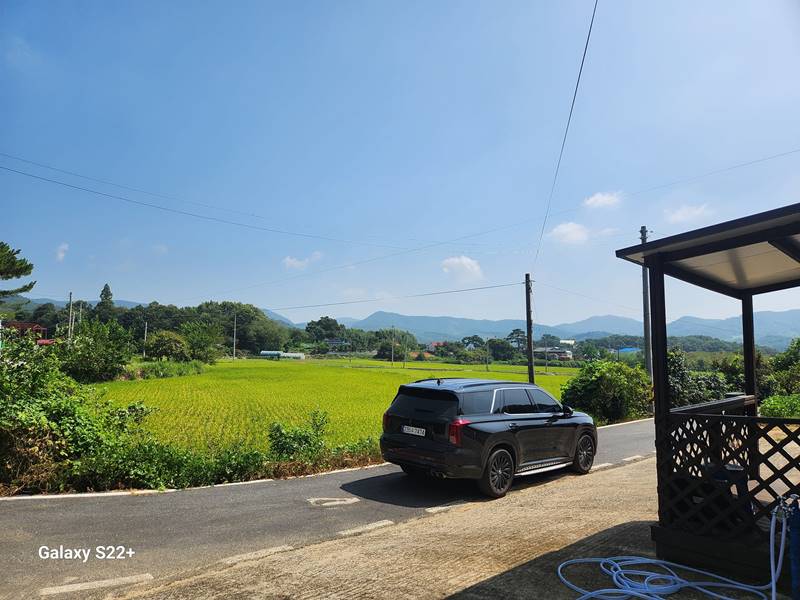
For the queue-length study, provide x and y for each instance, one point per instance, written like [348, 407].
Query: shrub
[162, 369]
[98, 351]
[687, 387]
[47, 421]
[168, 345]
[610, 391]
[785, 407]
[303, 443]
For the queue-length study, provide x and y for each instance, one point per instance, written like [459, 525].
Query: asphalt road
[177, 531]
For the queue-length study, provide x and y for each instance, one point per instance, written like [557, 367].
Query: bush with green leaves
[48, 422]
[688, 387]
[784, 407]
[97, 352]
[609, 391]
[161, 369]
[168, 345]
[303, 443]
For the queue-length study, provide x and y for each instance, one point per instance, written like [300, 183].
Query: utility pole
[486, 352]
[80, 312]
[234, 336]
[392, 345]
[648, 361]
[529, 319]
[69, 321]
[404, 353]
[144, 343]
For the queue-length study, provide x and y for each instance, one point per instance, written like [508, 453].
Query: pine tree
[105, 308]
[12, 267]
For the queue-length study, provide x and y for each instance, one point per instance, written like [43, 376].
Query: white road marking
[601, 466]
[634, 457]
[367, 527]
[232, 560]
[94, 585]
[332, 501]
[626, 423]
[443, 507]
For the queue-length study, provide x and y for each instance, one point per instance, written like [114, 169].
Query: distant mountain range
[773, 329]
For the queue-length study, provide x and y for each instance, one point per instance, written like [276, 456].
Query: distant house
[34, 328]
[433, 346]
[26, 327]
[555, 353]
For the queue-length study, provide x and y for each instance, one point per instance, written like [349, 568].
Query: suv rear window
[477, 403]
[433, 403]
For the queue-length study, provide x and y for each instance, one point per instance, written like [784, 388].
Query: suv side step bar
[531, 470]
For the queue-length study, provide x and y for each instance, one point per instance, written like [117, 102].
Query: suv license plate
[420, 431]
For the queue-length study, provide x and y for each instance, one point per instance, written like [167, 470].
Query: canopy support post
[658, 336]
[749, 347]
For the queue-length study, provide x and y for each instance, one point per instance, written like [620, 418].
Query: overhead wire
[564, 138]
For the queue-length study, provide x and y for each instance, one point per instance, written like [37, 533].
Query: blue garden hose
[651, 579]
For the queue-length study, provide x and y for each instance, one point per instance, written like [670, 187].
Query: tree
[518, 339]
[98, 352]
[385, 351]
[325, 328]
[549, 340]
[46, 315]
[476, 341]
[12, 267]
[500, 349]
[168, 345]
[104, 310]
[203, 340]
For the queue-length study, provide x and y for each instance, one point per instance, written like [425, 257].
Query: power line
[196, 215]
[422, 295]
[168, 197]
[566, 132]
[692, 178]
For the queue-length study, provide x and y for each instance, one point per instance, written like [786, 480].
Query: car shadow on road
[538, 578]
[425, 492]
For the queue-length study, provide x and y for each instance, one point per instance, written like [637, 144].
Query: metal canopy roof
[752, 255]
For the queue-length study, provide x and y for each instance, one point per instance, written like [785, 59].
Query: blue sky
[394, 125]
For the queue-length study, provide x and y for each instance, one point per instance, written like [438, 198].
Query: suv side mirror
[567, 410]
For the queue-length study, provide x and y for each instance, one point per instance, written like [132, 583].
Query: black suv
[484, 429]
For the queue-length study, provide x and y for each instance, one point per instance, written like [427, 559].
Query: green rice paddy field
[236, 401]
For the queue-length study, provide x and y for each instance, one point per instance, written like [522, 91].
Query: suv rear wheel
[584, 455]
[497, 474]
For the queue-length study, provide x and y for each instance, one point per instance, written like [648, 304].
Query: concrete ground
[507, 548]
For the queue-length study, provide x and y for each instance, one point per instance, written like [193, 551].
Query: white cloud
[608, 231]
[291, 262]
[570, 233]
[603, 200]
[61, 251]
[463, 268]
[160, 249]
[687, 213]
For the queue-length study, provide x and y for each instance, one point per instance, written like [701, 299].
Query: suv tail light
[385, 421]
[454, 431]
